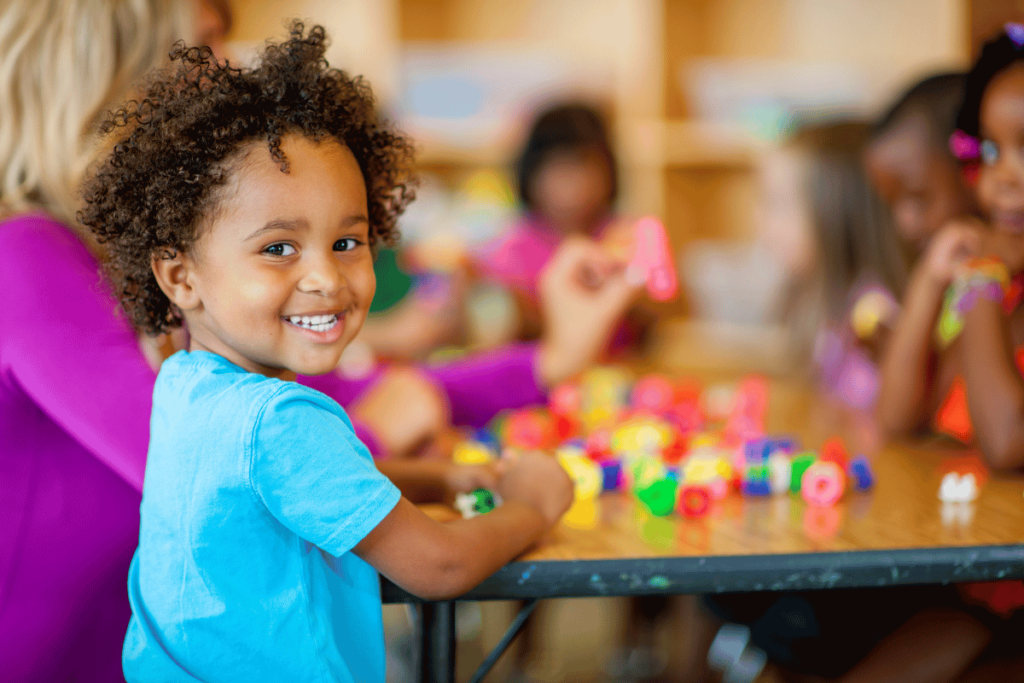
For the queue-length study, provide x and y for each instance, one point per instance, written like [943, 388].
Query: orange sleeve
[953, 417]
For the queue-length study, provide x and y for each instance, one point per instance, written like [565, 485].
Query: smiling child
[921, 381]
[246, 204]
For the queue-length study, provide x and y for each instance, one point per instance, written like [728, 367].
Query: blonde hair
[63, 63]
[855, 241]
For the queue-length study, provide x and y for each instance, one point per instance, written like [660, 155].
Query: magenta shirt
[75, 399]
[516, 258]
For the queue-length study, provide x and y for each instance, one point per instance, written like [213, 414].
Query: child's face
[280, 280]
[1001, 178]
[571, 189]
[783, 212]
[920, 183]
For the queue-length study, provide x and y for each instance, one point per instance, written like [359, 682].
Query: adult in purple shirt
[75, 387]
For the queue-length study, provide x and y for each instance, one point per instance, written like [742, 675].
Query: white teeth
[317, 323]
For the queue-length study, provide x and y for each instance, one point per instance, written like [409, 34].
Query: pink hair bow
[963, 146]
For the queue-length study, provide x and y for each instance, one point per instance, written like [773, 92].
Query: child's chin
[312, 368]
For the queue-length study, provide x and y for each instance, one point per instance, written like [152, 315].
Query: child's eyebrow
[298, 223]
[280, 224]
[355, 220]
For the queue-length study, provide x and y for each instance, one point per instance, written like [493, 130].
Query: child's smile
[323, 327]
[281, 277]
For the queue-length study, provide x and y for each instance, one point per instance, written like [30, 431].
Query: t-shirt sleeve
[65, 343]
[313, 474]
[346, 392]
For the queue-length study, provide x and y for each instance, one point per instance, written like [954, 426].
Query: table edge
[740, 573]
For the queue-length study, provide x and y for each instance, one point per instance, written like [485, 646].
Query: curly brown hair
[151, 194]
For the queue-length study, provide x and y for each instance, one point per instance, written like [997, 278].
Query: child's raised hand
[584, 292]
[537, 480]
[958, 241]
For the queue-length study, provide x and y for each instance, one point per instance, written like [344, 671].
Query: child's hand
[958, 241]
[405, 411]
[584, 293]
[537, 480]
[466, 478]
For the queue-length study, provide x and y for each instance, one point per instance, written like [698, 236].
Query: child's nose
[324, 275]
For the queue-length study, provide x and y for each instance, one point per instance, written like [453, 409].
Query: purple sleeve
[478, 387]
[482, 385]
[66, 344]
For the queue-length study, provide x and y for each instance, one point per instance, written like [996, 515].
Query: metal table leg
[437, 642]
[506, 640]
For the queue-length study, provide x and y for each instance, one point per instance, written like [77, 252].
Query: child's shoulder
[204, 382]
[227, 407]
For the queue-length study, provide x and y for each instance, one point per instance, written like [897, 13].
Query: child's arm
[436, 481]
[907, 363]
[995, 390]
[908, 370]
[438, 561]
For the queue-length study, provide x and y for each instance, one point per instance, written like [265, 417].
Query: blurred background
[693, 92]
[690, 88]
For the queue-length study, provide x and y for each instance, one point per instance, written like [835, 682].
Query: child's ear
[174, 273]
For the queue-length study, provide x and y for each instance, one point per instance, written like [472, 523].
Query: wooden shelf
[686, 144]
[654, 144]
[431, 153]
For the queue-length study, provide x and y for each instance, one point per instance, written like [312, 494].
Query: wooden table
[897, 534]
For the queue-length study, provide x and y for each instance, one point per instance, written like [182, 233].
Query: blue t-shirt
[256, 491]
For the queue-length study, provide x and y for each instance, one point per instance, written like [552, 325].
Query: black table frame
[531, 581]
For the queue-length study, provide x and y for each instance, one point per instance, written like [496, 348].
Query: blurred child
[829, 229]
[567, 180]
[245, 205]
[956, 353]
[921, 380]
[911, 165]
[833, 234]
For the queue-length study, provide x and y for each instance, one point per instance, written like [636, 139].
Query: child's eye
[280, 249]
[346, 244]
[989, 152]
